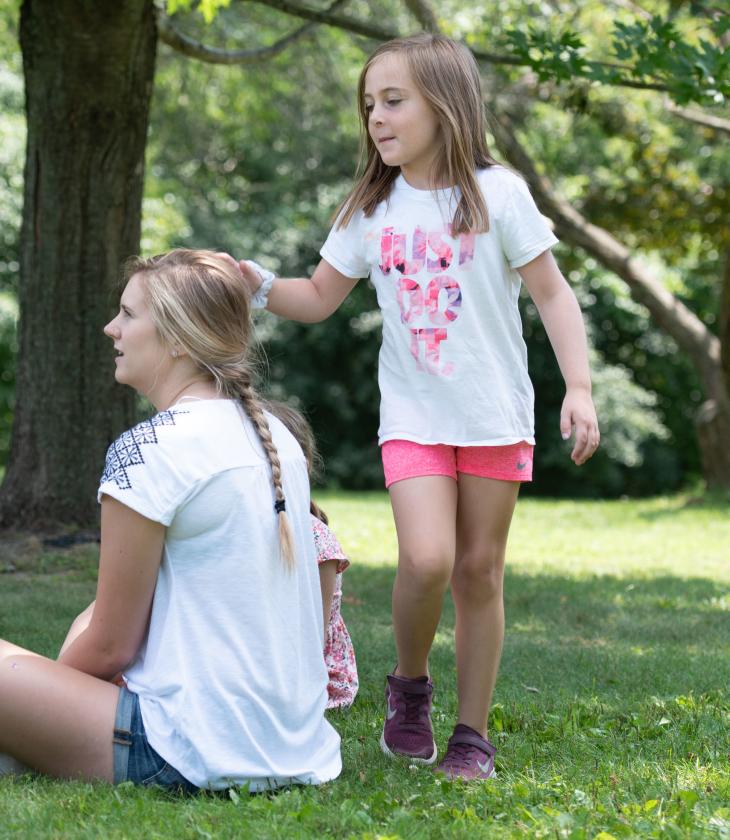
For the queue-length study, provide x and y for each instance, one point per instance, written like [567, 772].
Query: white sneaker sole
[412, 759]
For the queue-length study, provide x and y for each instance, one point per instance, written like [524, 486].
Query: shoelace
[415, 711]
[459, 754]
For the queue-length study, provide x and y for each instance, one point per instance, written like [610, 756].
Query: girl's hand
[579, 413]
[251, 277]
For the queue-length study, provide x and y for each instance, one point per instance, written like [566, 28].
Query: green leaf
[688, 797]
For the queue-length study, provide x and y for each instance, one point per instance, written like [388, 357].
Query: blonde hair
[199, 302]
[301, 432]
[447, 76]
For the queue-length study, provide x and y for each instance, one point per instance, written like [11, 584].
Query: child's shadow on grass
[602, 635]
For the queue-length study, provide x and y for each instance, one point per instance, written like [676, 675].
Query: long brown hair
[447, 76]
[199, 303]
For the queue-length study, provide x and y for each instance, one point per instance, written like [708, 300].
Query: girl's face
[401, 123]
[143, 359]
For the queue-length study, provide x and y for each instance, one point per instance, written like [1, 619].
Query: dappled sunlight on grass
[621, 537]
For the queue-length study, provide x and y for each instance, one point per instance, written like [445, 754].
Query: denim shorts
[134, 759]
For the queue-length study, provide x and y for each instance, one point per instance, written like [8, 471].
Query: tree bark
[89, 70]
[725, 321]
[703, 348]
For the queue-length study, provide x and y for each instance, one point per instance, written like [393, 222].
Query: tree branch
[424, 14]
[702, 118]
[669, 313]
[378, 34]
[375, 32]
[186, 45]
[339, 21]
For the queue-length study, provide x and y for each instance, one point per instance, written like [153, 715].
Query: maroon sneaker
[468, 756]
[407, 731]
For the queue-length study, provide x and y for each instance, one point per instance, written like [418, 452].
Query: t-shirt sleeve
[144, 471]
[524, 231]
[327, 546]
[344, 248]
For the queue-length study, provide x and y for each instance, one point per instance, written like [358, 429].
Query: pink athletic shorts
[405, 459]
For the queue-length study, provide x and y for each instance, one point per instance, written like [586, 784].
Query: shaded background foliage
[255, 159]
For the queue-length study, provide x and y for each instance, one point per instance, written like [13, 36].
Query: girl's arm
[327, 580]
[80, 623]
[563, 322]
[303, 299]
[131, 552]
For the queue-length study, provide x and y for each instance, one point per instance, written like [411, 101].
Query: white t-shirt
[231, 681]
[453, 364]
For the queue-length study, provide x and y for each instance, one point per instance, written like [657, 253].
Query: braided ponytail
[302, 432]
[256, 414]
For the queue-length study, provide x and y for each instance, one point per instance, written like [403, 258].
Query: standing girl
[446, 236]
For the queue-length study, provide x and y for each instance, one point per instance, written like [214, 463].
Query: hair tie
[280, 505]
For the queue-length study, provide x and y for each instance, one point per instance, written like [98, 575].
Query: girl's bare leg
[484, 514]
[425, 516]
[53, 718]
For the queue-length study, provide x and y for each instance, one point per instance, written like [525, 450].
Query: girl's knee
[479, 575]
[426, 570]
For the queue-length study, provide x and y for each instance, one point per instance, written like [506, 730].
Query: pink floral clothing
[339, 654]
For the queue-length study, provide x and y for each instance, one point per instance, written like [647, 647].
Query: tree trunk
[89, 70]
[669, 314]
[725, 322]
[713, 418]
[713, 434]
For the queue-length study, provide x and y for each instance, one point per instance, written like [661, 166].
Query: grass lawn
[611, 715]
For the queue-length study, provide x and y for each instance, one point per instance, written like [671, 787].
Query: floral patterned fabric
[339, 654]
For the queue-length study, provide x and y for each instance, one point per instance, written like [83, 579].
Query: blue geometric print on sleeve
[126, 451]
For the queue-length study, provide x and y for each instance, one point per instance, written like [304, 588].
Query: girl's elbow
[114, 657]
[311, 318]
[317, 314]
